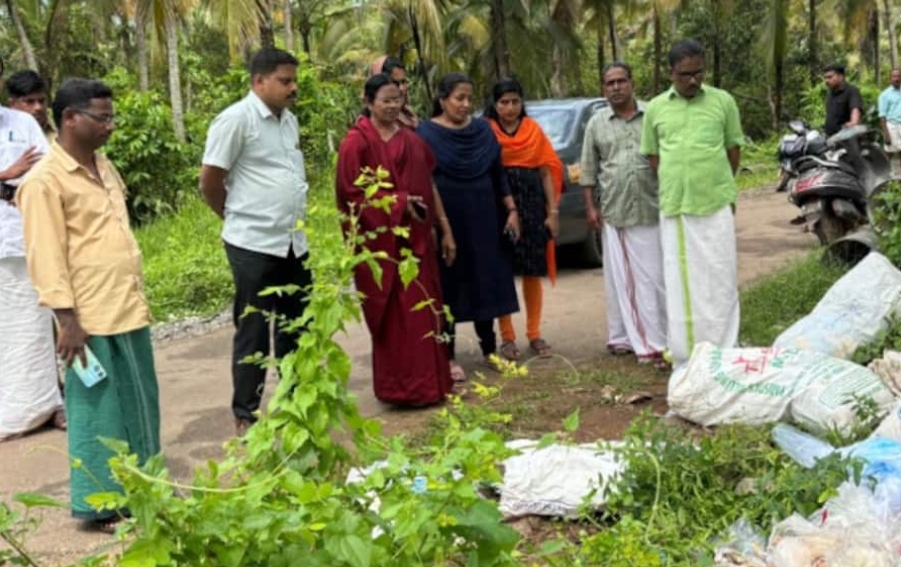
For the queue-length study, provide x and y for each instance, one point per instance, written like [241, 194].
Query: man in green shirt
[614, 169]
[692, 136]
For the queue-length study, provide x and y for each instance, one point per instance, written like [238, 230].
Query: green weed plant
[281, 496]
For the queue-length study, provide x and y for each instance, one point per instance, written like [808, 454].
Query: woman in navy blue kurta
[478, 287]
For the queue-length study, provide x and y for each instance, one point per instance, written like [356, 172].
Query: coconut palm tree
[165, 18]
[774, 44]
[25, 45]
[243, 21]
[417, 24]
[892, 32]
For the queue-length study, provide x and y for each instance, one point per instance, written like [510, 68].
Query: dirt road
[196, 387]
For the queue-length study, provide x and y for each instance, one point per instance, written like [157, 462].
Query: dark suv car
[564, 121]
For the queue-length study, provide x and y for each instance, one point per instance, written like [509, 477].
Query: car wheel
[593, 249]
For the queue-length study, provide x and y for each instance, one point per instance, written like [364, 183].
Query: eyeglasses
[689, 75]
[102, 118]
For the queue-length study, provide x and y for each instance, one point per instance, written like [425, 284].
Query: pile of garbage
[805, 379]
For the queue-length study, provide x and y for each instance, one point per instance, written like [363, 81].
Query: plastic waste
[852, 530]
[742, 545]
[803, 448]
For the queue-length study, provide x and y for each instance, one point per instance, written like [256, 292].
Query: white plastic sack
[29, 393]
[555, 480]
[761, 385]
[853, 311]
[828, 401]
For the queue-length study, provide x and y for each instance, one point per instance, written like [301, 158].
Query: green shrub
[887, 219]
[155, 166]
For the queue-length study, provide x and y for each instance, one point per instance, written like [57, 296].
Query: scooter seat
[807, 163]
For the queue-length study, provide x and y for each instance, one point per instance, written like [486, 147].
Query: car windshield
[556, 121]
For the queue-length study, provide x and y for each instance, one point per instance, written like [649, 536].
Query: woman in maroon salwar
[409, 360]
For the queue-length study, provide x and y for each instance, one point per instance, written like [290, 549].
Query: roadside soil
[195, 383]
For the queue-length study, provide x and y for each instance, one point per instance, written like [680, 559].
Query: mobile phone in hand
[91, 373]
[421, 209]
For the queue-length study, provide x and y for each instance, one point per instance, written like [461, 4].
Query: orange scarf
[530, 148]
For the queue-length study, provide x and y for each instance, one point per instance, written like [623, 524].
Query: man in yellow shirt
[86, 266]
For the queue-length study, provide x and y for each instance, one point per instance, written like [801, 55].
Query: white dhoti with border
[701, 273]
[636, 300]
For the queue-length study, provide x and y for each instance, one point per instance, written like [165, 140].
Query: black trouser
[485, 332]
[253, 272]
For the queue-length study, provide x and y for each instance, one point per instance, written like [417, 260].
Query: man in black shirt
[843, 103]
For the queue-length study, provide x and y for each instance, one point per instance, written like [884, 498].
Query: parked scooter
[832, 180]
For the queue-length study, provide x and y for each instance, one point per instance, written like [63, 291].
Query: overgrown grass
[186, 272]
[760, 165]
[771, 305]
[757, 175]
[185, 269]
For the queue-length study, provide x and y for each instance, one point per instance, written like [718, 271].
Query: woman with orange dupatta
[409, 363]
[535, 175]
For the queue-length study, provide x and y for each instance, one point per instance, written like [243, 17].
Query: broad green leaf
[409, 269]
[353, 549]
[33, 500]
[571, 423]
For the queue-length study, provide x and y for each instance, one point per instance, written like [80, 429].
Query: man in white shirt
[253, 177]
[22, 144]
[28, 361]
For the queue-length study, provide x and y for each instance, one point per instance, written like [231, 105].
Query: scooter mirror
[797, 126]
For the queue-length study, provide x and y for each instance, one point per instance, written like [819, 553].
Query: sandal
[456, 372]
[509, 350]
[106, 526]
[619, 350]
[541, 348]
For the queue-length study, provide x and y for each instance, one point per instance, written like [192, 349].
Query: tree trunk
[779, 72]
[892, 33]
[656, 77]
[289, 27]
[178, 112]
[24, 43]
[141, 45]
[602, 57]
[500, 54]
[267, 33]
[558, 75]
[812, 41]
[306, 30]
[877, 59]
[417, 43]
[611, 29]
[717, 49]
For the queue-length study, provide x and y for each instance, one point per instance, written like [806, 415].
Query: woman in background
[535, 175]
